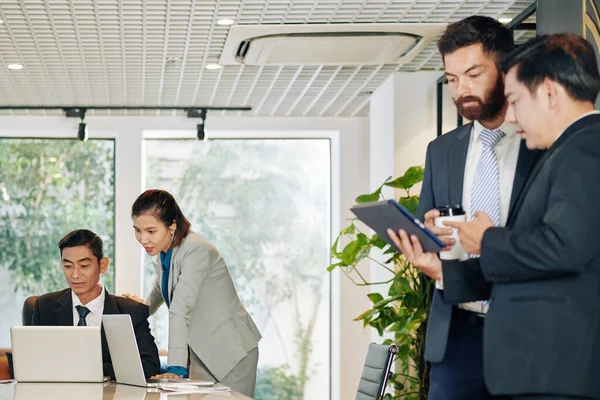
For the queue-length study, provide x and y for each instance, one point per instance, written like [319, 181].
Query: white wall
[350, 177]
[402, 122]
[415, 119]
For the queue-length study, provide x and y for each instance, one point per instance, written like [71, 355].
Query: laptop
[125, 355]
[57, 353]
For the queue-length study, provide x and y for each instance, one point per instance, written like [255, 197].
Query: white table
[100, 391]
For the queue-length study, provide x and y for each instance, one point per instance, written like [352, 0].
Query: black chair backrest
[27, 314]
[376, 372]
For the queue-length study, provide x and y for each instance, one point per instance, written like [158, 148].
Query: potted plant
[401, 311]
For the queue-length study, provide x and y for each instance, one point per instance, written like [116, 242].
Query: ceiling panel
[154, 53]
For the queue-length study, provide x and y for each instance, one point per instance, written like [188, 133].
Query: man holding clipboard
[542, 334]
[471, 49]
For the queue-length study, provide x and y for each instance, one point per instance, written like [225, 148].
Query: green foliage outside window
[49, 187]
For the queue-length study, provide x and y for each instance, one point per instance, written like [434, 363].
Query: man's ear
[550, 91]
[104, 262]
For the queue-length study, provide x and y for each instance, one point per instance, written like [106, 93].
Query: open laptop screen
[57, 353]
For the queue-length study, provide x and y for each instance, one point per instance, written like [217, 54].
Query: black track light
[82, 133]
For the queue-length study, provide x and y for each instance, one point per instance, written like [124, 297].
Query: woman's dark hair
[83, 237]
[162, 205]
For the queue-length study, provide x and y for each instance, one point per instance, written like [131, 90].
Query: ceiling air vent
[348, 44]
[326, 48]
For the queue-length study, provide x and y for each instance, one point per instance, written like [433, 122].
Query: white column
[128, 186]
[415, 118]
[402, 123]
[381, 166]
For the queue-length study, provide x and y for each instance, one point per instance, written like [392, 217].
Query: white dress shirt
[96, 307]
[507, 154]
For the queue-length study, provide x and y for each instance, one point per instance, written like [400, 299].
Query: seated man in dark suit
[87, 299]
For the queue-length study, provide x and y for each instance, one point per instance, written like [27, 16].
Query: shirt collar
[577, 119]
[165, 258]
[93, 305]
[507, 128]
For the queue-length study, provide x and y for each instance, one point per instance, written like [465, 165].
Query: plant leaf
[412, 176]
[368, 198]
[334, 266]
[368, 313]
[375, 297]
[410, 203]
[378, 241]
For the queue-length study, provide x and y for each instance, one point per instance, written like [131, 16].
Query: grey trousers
[242, 378]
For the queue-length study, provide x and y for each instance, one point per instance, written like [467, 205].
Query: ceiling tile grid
[154, 53]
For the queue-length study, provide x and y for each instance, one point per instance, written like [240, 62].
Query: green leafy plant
[278, 383]
[400, 312]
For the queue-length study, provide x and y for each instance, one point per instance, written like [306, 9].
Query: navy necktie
[83, 312]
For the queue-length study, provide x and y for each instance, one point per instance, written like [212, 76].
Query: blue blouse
[165, 261]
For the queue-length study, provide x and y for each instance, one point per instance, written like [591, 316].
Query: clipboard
[389, 214]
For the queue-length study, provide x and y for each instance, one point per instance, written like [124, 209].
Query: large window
[49, 187]
[265, 204]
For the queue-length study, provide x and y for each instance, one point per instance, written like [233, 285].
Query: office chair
[376, 372]
[27, 313]
[26, 318]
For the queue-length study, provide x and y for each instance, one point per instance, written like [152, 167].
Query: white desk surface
[100, 391]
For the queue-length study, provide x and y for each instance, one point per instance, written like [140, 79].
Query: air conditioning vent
[320, 44]
[326, 48]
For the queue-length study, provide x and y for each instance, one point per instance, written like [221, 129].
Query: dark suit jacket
[443, 185]
[57, 309]
[542, 332]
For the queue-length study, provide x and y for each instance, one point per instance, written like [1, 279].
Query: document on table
[189, 389]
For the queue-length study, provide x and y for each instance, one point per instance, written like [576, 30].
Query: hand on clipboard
[383, 215]
[405, 233]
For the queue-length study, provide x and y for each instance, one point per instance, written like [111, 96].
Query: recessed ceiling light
[15, 66]
[225, 22]
[1, 21]
[504, 20]
[213, 66]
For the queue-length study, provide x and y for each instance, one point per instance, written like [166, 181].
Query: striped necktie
[485, 192]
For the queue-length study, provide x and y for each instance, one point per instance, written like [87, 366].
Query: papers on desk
[189, 389]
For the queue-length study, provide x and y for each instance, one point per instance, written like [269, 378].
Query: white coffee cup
[456, 214]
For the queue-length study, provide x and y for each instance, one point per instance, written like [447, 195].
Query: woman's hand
[133, 297]
[167, 375]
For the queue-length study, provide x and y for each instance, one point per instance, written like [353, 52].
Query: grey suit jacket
[205, 311]
[542, 332]
[443, 185]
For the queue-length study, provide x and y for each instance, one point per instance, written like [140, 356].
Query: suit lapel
[172, 273]
[64, 310]
[525, 164]
[543, 156]
[457, 158]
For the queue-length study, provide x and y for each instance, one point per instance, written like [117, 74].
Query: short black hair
[83, 237]
[567, 59]
[497, 40]
[163, 206]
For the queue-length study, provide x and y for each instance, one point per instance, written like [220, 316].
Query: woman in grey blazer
[211, 335]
